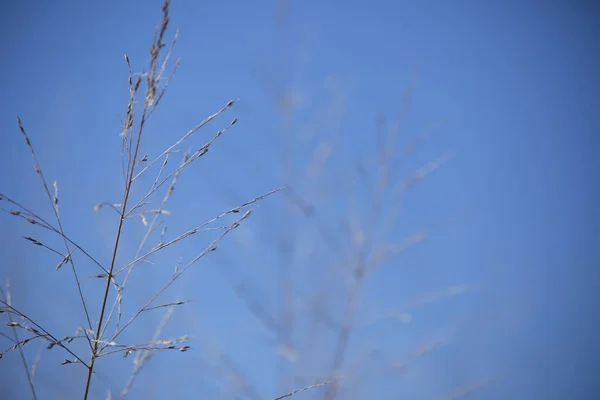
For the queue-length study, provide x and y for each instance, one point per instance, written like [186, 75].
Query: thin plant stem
[47, 334]
[6, 297]
[54, 203]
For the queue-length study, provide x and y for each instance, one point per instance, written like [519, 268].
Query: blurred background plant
[433, 238]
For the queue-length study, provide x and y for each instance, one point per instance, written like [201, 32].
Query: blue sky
[509, 215]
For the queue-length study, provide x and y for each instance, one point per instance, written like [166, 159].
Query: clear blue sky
[511, 214]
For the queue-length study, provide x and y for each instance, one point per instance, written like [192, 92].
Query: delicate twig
[142, 357]
[211, 247]
[188, 134]
[6, 297]
[54, 202]
[48, 335]
[290, 394]
[35, 219]
[118, 300]
[132, 158]
[143, 347]
[234, 210]
[199, 153]
[36, 361]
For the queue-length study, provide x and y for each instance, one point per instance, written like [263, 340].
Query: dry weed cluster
[102, 329]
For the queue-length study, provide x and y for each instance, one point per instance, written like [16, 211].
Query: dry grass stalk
[362, 256]
[142, 357]
[304, 389]
[18, 342]
[134, 165]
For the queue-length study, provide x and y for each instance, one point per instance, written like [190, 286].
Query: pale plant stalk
[39, 332]
[131, 143]
[54, 203]
[150, 102]
[366, 255]
[149, 231]
[142, 357]
[6, 297]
